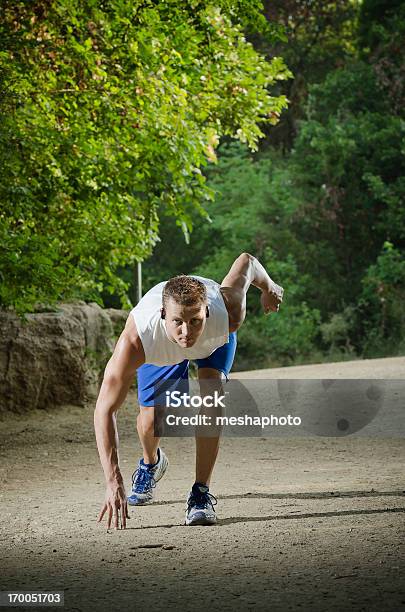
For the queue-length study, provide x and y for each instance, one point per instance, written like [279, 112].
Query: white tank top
[159, 349]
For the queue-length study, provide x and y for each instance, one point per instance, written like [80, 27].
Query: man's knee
[210, 380]
[146, 420]
[204, 373]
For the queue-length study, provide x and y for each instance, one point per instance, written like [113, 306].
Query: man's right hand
[115, 505]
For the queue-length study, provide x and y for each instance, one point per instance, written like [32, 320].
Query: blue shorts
[150, 375]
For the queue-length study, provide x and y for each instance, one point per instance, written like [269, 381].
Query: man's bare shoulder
[131, 334]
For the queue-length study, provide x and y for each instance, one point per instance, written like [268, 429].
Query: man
[185, 318]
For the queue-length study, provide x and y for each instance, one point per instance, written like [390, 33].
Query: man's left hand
[272, 299]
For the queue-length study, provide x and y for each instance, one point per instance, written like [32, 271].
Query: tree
[315, 38]
[109, 110]
[381, 33]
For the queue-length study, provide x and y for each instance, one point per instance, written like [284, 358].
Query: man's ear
[207, 312]
[162, 313]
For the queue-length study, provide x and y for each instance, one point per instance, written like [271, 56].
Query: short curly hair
[184, 290]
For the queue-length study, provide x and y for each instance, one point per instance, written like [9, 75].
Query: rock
[54, 358]
[118, 319]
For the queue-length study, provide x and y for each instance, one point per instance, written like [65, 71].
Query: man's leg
[153, 465]
[152, 381]
[207, 447]
[210, 371]
[200, 502]
[146, 433]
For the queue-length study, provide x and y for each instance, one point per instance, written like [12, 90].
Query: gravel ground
[306, 523]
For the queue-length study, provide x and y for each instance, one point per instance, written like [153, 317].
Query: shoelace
[201, 501]
[142, 479]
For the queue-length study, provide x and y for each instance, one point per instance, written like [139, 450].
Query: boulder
[52, 358]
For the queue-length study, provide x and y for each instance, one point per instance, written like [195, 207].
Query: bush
[108, 111]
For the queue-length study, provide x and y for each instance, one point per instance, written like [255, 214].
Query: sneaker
[144, 480]
[200, 506]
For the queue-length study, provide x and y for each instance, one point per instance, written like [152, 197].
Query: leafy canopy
[108, 112]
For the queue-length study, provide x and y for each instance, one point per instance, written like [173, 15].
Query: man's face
[184, 324]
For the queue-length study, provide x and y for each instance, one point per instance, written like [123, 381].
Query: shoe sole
[201, 521]
[165, 465]
[139, 503]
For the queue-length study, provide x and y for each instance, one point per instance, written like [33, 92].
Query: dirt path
[304, 524]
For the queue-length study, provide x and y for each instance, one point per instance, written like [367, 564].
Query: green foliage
[381, 32]
[376, 21]
[245, 200]
[317, 219]
[284, 338]
[319, 36]
[348, 162]
[109, 110]
[253, 204]
[381, 303]
[337, 331]
[112, 115]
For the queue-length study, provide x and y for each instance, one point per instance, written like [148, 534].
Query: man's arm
[118, 378]
[246, 270]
